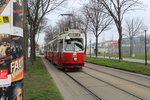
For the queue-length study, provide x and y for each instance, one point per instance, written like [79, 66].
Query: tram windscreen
[74, 45]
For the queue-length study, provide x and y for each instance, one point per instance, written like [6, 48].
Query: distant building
[138, 44]
[111, 46]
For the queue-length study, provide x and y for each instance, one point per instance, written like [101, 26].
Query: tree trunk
[25, 35]
[120, 43]
[85, 44]
[32, 52]
[96, 50]
[25, 50]
[131, 47]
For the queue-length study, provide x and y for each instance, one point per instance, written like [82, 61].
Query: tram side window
[50, 48]
[47, 48]
[55, 47]
[61, 46]
[44, 48]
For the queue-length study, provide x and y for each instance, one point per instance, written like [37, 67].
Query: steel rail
[119, 77]
[122, 71]
[85, 88]
[114, 86]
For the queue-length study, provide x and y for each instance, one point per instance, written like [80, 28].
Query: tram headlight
[75, 59]
[67, 37]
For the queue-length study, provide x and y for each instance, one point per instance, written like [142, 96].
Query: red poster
[3, 74]
[5, 78]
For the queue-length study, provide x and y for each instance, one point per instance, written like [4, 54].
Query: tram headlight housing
[75, 59]
[67, 37]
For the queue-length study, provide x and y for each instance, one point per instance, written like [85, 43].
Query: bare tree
[49, 34]
[51, 31]
[132, 29]
[83, 22]
[82, 25]
[42, 27]
[98, 20]
[71, 20]
[117, 9]
[62, 23]
[37, 9]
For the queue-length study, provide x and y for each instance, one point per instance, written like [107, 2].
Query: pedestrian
[3, 48]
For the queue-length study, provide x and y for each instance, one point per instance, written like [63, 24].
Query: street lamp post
[145, 30]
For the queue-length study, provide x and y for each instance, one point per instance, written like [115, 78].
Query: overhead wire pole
[90, 47]
[145, 48]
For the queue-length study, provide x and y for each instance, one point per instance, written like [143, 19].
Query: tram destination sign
[2, 2]
[74, 34]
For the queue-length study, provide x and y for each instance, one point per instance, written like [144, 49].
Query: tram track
[119, 77]
[93, 94]
[132, 94]
[84, 87]
[125, 72]
[133, 74]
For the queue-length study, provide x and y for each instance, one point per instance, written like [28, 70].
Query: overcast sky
[77, 5]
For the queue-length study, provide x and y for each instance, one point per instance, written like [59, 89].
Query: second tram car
[66, 50]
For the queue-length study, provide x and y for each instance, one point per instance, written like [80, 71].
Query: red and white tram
[66, 50]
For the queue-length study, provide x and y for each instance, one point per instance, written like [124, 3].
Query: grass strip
[137, 56]
[39, 85]
[123, 65]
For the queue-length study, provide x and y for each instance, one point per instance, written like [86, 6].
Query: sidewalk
[125, 59]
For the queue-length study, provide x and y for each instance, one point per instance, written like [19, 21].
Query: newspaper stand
[11, 50]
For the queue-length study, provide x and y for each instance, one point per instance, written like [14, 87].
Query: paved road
[106, 83]
[125, 59]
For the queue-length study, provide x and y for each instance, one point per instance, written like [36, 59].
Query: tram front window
[74, 45]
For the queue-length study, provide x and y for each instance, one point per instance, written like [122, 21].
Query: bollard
[11, 50]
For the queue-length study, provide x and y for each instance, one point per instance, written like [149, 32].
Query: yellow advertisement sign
[4, 19]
